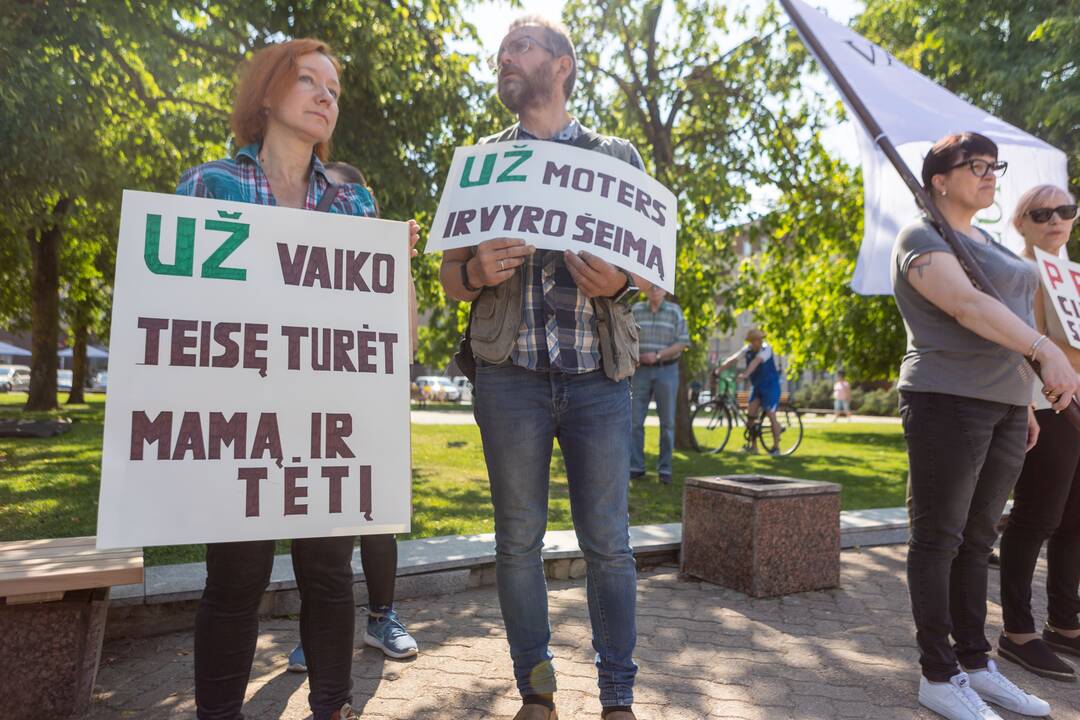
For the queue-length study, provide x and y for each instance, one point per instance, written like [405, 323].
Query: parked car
[7, 376]
[63, 380]
[100, 381]
[465, 387]
[20, 379]
[438, 388]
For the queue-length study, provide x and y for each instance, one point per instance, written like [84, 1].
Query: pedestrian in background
[662, 336]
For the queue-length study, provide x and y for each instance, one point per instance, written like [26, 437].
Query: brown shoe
[536, 712]
[345, 713]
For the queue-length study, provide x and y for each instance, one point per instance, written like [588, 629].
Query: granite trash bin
[763, 536]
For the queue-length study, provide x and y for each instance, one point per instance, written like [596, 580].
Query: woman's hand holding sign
[414, 236]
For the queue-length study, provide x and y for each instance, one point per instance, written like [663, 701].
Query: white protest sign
[559, 197]
[1061, 280]
[258, 375]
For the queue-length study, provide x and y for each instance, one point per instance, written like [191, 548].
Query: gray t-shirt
[945, 357]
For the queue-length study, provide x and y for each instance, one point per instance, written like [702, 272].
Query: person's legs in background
[665, 389]
[385, 631]
[642, 395]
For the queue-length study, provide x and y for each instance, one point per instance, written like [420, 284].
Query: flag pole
[963, 254]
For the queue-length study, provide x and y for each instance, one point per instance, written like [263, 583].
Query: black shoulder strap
[328, 197]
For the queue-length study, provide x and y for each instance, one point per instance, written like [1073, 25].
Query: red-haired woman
[965, 394]
[1047, 496]
[285, 112]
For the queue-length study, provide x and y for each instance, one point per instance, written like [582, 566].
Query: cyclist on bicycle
[764, 379]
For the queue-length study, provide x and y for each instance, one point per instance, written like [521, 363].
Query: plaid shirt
[558, 326]
[242, 180]
[662, 328]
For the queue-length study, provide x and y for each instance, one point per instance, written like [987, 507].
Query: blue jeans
[520, 413]
[661, 382]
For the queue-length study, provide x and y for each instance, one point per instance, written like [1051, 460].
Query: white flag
[914, 112]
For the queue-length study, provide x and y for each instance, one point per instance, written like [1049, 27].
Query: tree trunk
[683, 438]
[78, 366]
[45, 309]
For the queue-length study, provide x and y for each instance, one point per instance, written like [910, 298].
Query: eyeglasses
[982, 168]
[518, 46]
[1042, 215]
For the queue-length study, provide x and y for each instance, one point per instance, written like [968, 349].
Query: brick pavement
[704, 652]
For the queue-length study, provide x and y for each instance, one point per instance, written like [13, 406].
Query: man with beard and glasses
[554, 341]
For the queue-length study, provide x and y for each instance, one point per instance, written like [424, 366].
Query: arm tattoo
[921, 263]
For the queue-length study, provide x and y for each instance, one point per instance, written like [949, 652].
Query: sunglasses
[1042, 215]
[982, 168]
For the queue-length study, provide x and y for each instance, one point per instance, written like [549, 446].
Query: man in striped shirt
[662, 337]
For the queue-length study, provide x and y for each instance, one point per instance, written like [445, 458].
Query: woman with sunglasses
[965, 391]
[1046, 501]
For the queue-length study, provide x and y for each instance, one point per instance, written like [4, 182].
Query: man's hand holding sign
[494, 262]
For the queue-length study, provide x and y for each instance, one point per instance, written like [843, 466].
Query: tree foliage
[718, 120]
[1016, 59]
[98, 97]
[796, 285]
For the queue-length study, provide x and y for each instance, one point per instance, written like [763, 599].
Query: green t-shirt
[945, 357]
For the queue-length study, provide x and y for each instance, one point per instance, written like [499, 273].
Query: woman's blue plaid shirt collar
[251, 152]
[241, 179]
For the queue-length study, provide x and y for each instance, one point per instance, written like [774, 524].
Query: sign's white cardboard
[258, 375]
[559, 197]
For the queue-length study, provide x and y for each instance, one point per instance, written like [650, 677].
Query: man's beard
[526, 91]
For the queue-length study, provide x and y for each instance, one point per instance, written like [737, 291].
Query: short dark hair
[953, 149]
[558, 36]
[352, 174]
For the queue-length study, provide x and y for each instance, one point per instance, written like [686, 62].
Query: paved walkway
[704, 652]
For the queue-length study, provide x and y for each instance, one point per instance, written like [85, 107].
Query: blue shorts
[767, 395]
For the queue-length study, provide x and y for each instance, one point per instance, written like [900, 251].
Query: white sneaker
[998, 689]
[955, 699]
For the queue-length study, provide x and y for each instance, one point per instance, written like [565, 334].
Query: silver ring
[500, 264]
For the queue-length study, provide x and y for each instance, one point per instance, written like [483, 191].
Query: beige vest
[495, 322]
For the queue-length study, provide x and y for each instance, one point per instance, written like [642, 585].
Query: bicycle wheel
[710, 427]
[789, 420]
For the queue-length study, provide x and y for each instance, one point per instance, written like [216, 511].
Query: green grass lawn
[48, 488]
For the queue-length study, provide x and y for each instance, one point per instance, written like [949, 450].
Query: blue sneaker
[297, 664]
[389, 635]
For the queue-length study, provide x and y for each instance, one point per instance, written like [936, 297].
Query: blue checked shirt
[558, 326]
[660, 329]
[241, 179]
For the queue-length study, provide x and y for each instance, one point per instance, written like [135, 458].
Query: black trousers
[964, 457]
[227, 622]
[1046, 506]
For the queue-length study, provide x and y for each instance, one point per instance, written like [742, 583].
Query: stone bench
[54, 599]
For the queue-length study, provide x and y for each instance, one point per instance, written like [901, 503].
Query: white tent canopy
[7, 349]
[914, 112]
[92, 353]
